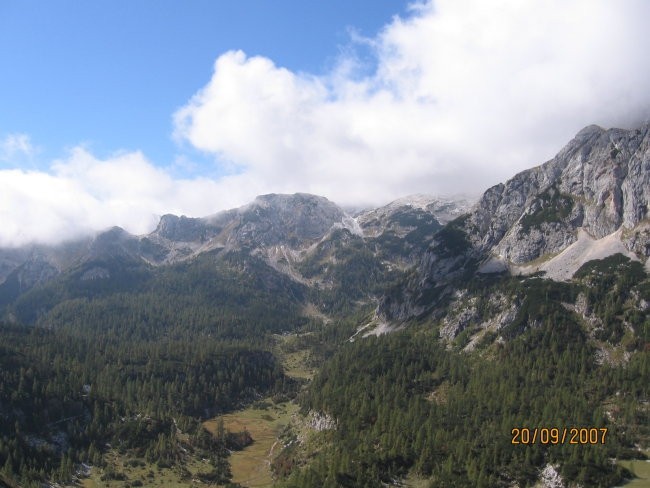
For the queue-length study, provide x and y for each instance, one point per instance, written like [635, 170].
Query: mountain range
[301, 236]
[588, 202]
[526, 307]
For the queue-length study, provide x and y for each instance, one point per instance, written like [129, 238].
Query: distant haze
[454, 97]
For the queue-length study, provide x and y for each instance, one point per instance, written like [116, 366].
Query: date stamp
[559, 435]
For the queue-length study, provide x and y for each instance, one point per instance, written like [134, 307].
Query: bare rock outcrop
[598, 184]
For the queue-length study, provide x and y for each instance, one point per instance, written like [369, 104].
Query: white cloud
[16, 147]
[465, 93]
[81, 194]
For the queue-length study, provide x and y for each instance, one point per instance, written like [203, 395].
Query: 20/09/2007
[559, 435]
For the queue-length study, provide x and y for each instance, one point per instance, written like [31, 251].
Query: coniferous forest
[135, 364]
[303, 244]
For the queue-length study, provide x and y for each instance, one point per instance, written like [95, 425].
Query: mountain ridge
[597, 187]
[297, 235]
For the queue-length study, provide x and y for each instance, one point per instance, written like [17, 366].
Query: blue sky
[114, 113]
[110, 74]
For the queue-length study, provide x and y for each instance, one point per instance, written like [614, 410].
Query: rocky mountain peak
[273, 219]
[599, 181]
[115, 242]
[182, 229]
[595, 191]
[589, 131]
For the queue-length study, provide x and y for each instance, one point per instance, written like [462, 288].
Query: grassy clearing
[147, 474]
[295, 365]
[641, 469]
[294, 357]
[251, 467]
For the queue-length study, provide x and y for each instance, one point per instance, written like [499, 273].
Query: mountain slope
[598, 184]
[485, 346]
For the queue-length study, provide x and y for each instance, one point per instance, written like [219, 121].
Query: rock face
[320, 421]
[292, 219]
[184, 229]
[600, 181]
[35, 269]
[271, 220]
[23, 268]
[550, 478]
[598, 184]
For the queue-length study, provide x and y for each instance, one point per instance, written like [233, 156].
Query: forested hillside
[408, 404]
[134, 359]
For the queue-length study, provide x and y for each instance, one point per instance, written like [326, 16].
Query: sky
[117, 112]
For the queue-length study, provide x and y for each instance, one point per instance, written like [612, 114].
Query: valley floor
[251, 467]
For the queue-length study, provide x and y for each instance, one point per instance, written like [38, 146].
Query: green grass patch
[121, 471]
[295, 358]
[251, 467]
[641, 469]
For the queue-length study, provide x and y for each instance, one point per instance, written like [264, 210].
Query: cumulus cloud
[81, 194]
[461, 94]
[464, 94]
